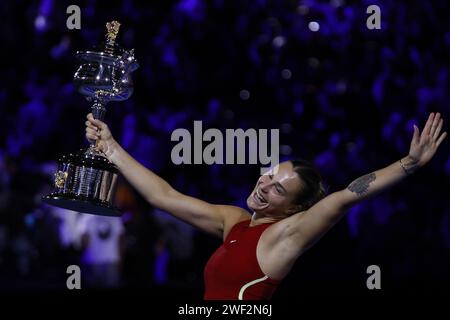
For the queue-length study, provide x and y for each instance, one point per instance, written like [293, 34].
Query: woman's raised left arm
[306, 228]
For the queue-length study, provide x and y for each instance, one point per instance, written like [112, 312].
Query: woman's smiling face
[275, 192]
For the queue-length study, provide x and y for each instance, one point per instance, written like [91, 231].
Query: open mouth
[259, 197]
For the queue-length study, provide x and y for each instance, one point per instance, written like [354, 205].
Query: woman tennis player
[289, 211]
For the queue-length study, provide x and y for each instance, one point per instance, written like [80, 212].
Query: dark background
[344, 97]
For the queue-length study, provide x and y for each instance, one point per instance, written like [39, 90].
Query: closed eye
[278, 186]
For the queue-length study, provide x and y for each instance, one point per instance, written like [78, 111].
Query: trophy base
[81, 205]
[85, 182]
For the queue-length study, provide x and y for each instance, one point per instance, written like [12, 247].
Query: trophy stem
[98, 109]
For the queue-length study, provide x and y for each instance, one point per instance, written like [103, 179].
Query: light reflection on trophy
[86, 180]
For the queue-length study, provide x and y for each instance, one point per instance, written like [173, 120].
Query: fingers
[433, 127]
[438, 129]
[97, 123]
[427, 128]
[91, 138]
[416, 134]
[91, 126]
[92, 134]
[435, 124]
[441, 138]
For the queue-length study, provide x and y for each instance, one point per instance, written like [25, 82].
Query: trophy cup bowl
[85, 180]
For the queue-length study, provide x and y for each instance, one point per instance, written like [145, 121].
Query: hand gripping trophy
[86, 180]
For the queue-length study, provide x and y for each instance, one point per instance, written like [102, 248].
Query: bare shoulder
[275, 251]
[232, 215]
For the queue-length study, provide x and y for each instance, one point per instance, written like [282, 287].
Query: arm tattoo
[361, 185]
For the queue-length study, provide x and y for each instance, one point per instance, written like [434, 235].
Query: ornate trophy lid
[107, 50]
[105, 70]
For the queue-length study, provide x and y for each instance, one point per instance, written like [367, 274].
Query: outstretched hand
[424, 145]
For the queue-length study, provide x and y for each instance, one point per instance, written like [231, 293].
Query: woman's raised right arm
[158, 192]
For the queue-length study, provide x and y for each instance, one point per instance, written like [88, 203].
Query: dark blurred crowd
[343, 96]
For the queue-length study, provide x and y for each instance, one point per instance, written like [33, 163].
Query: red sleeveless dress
[233, 272]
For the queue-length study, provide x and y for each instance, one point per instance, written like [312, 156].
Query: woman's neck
[258, 219]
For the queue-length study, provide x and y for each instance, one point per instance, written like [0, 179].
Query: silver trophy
[86, 180]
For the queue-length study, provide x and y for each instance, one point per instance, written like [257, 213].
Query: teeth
[260, 198]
